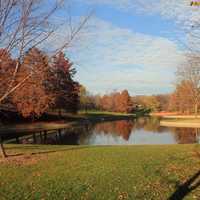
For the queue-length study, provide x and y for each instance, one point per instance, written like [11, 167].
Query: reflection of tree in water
[150, 124]
[186, 135]
[70, 136]
[82, 133]
[77, 134]
[120, 128]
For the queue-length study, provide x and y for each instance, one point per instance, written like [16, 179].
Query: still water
[125, 132]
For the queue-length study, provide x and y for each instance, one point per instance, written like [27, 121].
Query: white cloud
[179, 10]
[111, 57]
[117, 58]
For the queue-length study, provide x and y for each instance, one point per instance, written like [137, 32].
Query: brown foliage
[186, 135]
[27, 24]
[65, 89]
[7, 68]
[182, 98]
[120, 128]
[50, 84]
[33, 98]
[188, 87]
[117, 102]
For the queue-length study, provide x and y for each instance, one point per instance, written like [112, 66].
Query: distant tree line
[155, 103]
[185, 99]
[123, 102]
[113, 102]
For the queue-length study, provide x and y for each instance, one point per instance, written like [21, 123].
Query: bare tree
[190, 72]
[25, 24]
[3, 152]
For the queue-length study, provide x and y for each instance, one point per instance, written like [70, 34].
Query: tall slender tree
[66, 90]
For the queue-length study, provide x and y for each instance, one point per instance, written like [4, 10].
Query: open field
[107, 172]
[163, 114]
[181, 122]
[181, 117]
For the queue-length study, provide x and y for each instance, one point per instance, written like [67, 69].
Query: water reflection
[125, 132]
[118, 128]
[186, 135]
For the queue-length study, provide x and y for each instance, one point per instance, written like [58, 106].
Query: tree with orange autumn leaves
[50, 86]
[30, 23]
[65, 89]
[7, 68]
[113, 102]
[186, 97]
[33, 98]
[117, 102]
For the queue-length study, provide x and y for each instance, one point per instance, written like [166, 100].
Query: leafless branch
[25, 24]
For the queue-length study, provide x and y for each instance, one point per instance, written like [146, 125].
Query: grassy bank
[65, 121]
[68, 117]
[94, 116]
[52, 123]
[187, 117]
[181, 122]
[131, 172]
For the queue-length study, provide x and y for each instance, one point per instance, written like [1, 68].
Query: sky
[129, 44]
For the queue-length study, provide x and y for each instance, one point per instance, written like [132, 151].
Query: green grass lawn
[184, 120]
[95, 116]
[91, 172]
[104, 113]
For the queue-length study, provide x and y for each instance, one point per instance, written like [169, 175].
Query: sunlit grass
[91, 172]
[104, 113]
[183, 120]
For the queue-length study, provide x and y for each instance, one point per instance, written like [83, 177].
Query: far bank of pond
[184, 121]
[53, 123]
[181, 123]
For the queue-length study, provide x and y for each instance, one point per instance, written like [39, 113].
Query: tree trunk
[2, 148]
[60, 113]
[196, 109]
[196, 134]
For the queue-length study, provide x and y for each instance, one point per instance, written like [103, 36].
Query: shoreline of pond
[68, 121]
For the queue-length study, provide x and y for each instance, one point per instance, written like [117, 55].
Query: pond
[141, 131]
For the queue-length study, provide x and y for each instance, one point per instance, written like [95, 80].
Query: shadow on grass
[61, 150]
[14, 155]
[43, 150]
[187, 187]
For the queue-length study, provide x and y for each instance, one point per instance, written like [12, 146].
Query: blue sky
[129, 44]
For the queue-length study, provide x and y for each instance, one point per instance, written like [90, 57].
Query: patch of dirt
[22, 160]
[196, 154]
